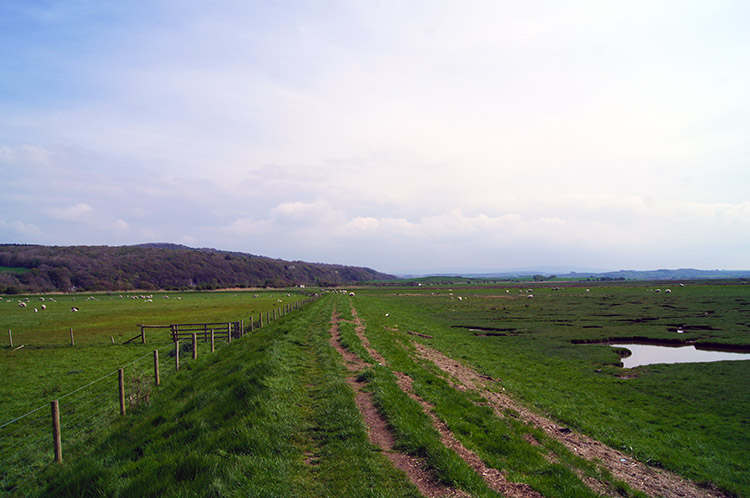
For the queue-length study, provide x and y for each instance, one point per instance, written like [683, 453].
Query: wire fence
[27, 442]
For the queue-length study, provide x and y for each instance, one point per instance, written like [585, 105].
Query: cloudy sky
[408, 136]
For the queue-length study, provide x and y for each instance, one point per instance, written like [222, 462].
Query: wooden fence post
[212, 340]
[242, 328]
[156, 366]
[195, 346]
[252, 325]
[121, 383]
[260, 319]
[177, 354]
[72, 342]
[56, 439]
[229, 333]
[143, 335]
[113, 338]
[10, 338]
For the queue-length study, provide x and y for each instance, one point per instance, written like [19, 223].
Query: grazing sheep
[73, 309]
[351, 294]
[530, 296]
[35, 310]
[44, 306]
[668, 290]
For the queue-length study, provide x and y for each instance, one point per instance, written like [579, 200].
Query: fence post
[143, 335]
[113, 338]
[252, 325]
[72, 342]
[156, 366]
[195, 346]
[229, 332]
[121, 383]
[242, 328]
[260, 319]
[56, 440]
[212, 340]
[10, 338]
[177, 354]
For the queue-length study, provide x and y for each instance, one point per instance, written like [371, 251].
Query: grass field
[47, 366]
[273, 416]
[693, 419]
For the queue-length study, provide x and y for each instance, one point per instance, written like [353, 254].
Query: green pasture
[47, 366]
[690, 418]
[272, 415]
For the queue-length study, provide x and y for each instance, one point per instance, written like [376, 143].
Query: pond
[643, 354]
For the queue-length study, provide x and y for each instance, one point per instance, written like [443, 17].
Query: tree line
[37, 268]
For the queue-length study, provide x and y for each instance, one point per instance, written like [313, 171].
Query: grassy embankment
[690, 418]
[269, 416]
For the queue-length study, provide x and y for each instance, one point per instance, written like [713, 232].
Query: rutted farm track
[613, 469]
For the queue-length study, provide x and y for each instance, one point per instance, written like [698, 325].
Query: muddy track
[493, 477]
[653, 482]
[377, 426]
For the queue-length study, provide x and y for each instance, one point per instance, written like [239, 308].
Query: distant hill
[36, 268]
[663, 274]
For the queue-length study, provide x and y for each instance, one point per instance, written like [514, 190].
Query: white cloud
[75, 212]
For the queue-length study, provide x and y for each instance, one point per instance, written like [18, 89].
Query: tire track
[493, 477]
[639, 476]
[377, 426]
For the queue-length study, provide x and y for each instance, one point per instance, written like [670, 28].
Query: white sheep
[530, 296]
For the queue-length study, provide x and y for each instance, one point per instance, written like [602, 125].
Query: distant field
[47, 366]
[11, 269]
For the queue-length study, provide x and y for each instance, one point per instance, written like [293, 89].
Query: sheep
[351, 294]
[668, 291]
[36, 310]
[44, 306]
[73, 309]
[530, 296]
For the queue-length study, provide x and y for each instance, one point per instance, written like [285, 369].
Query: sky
[408, 136]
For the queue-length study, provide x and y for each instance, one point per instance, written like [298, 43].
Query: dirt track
[653, 482]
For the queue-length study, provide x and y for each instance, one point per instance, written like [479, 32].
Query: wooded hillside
[36, 268]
